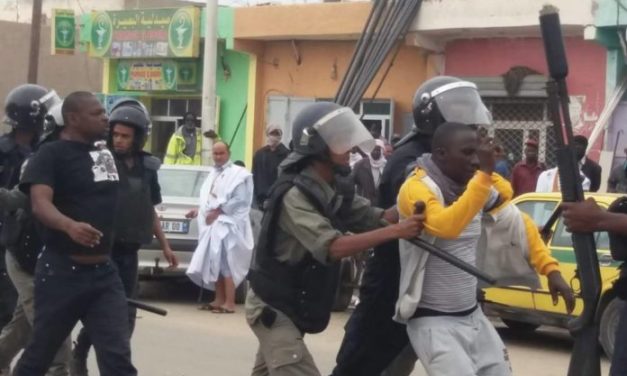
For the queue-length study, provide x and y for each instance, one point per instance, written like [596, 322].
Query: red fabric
[525, 177]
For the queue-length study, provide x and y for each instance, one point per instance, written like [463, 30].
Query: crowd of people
[78, 195]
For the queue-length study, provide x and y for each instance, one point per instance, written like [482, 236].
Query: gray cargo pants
[282, 351]
[16, 334]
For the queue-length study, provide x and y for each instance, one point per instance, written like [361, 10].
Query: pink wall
[493, 57]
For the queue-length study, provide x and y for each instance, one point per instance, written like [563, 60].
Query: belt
[426, 312]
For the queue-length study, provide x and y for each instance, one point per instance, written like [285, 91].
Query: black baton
[146, 307]
[437, 252]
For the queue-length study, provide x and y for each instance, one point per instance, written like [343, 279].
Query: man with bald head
[222, 257]
[73, 189]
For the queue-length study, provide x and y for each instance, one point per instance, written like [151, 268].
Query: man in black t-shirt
[135, 220]
[74, 193]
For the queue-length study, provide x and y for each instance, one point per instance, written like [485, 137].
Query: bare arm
[613, 222]
[391, 215]
[156, 229]
[45, 211]
[48, 214]
[349, 245]
[587, 216]
[163, 241]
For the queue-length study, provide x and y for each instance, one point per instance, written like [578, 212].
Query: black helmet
[133, 116]
[325, 126]
[132, 102]
[26, 105]
[447, 99]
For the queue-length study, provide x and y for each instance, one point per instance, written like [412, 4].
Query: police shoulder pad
[151, 162]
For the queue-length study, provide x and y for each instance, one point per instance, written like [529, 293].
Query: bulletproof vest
[618, 242]
[305, 291]
[135, 213]
[11, 158]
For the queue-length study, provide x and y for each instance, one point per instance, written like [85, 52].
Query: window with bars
[518, 118]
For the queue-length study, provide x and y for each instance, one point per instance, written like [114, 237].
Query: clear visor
[463, 105]
[341, 130]
[53, 118]
[48, 101]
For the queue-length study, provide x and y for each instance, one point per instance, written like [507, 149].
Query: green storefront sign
[147, 33]
[158, 75]
[63, 32]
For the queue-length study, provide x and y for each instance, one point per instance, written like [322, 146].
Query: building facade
[498, 46]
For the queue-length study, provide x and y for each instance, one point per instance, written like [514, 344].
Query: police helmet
[132, 102]
[132, 116]
[53, 122]
[448, 99]
[26, 105]
[324, 126]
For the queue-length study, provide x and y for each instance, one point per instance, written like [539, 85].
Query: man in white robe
[225, 239]
[548, 181]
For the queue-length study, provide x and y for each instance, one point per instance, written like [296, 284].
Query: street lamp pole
[208, 122]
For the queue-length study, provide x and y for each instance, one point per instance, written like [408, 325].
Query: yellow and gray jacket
[513, 263]
[174, 154]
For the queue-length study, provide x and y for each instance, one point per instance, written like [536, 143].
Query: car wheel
[344, 292]
[520, 326]
[240, 292]
[609, 323]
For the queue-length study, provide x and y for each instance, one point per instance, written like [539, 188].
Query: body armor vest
[304, 291]
[135, 212]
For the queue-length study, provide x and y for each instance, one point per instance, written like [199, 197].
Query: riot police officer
[372, 339]
[136, 220]
[24, 109]
[23, 245]
[304, 234]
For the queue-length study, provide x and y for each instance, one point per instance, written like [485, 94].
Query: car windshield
[181, 183]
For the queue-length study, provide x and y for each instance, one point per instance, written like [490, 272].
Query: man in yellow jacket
[437, 301]
[185, 144]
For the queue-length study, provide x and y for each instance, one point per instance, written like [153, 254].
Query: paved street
[189, 342]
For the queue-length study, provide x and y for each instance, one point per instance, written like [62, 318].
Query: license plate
[175, 226]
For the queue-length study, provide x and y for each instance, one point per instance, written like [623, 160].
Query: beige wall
[307, 21]
[279, 73]
[62, 73]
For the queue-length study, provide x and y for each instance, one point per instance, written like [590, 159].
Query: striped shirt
[447, 288]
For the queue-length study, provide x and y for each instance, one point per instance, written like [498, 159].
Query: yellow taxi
[522, 309]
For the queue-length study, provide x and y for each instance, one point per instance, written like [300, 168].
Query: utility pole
[35, 31]
[209, 79]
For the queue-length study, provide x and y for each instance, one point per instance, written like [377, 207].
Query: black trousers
[372, 340]
[8, 294]
[124, 257]
[67, 292]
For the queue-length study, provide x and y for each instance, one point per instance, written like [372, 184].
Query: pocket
[287, 354]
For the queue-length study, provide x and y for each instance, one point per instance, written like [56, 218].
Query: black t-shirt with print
[85, 184]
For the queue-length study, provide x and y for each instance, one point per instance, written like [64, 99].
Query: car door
[561, 246]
